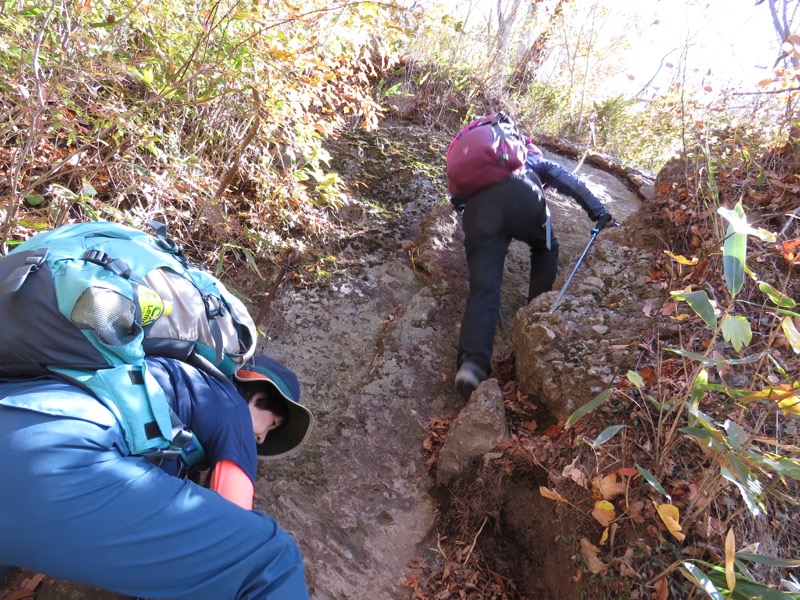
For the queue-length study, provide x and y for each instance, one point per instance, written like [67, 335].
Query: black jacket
[546, 173]
[550, 174]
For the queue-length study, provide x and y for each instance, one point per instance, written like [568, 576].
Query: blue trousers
[514, 208]
[76, 506]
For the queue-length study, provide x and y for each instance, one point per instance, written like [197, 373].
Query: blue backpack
[88, 301]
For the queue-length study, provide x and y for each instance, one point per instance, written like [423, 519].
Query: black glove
[458, 202]
[604, 219]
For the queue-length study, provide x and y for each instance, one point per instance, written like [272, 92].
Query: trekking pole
[290, 260]
[563, 291]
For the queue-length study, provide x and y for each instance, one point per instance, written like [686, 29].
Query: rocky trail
[374, 348]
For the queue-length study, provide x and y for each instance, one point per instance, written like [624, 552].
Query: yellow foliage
[670, 515]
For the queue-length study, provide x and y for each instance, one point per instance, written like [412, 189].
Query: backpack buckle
[35, 261]
[115, 265]
[214, 308]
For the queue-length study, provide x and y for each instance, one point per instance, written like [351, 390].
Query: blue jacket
[213, 410]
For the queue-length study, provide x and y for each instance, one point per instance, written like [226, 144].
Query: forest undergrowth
[689, 478]
[216, 122]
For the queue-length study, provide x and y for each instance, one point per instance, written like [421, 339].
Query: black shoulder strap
[18, 276]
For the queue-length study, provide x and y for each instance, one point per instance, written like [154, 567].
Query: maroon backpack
[484, 152]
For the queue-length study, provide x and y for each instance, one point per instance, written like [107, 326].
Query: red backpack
[484, 152]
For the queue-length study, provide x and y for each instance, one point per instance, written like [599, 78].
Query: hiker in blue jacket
[77, 506]
[512, 208]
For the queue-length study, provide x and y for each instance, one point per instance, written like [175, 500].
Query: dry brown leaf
[604, 512]
[577, 476]
[607, 486]
[730, 555]
[669, 309]
[661, 588]
[635, 510]
[590, 552]
[625, 569]
[28, 588]
[20, 595]
[551, 494]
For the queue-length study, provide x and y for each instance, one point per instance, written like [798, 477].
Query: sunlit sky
[735, 39]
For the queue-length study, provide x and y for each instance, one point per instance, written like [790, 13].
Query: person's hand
[459, 202]
[605, 220]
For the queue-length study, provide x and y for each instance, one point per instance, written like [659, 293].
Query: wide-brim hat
[297, 427]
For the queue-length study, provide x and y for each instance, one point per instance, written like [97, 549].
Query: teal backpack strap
[150, 426]
[135, 399]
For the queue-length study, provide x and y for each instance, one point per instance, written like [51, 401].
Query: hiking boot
[468, 378]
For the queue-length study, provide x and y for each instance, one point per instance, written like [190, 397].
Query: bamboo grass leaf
[701, 304]
[695, 575]
[734, 251]
[588, 407]
[654, 482]
[606, 435]
[777, 298]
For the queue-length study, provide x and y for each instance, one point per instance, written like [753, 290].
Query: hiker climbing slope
[496, 176]
[100, 422]
[77, 505]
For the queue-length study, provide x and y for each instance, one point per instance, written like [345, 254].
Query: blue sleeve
[212, 409]
[549, 173]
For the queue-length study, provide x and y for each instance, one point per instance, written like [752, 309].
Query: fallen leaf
[498, 579]
[604, 512]
[670, 515]
[730, 556]
[20, 595]
[661, 588]
[604, 537]
[574, 473]
[625, 569]
[577, 476]
[589, 552]
[635, 512]
[679, 258]
[607, 487]
[490, 456]
[669, 308]
[551, 494]
[28, 589]
[553, 430]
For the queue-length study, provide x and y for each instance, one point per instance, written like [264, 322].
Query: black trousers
[514, 208]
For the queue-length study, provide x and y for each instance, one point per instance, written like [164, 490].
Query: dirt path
[374, 348]
[375, 352]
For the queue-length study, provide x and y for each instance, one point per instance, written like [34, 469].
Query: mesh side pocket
[109, 314]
